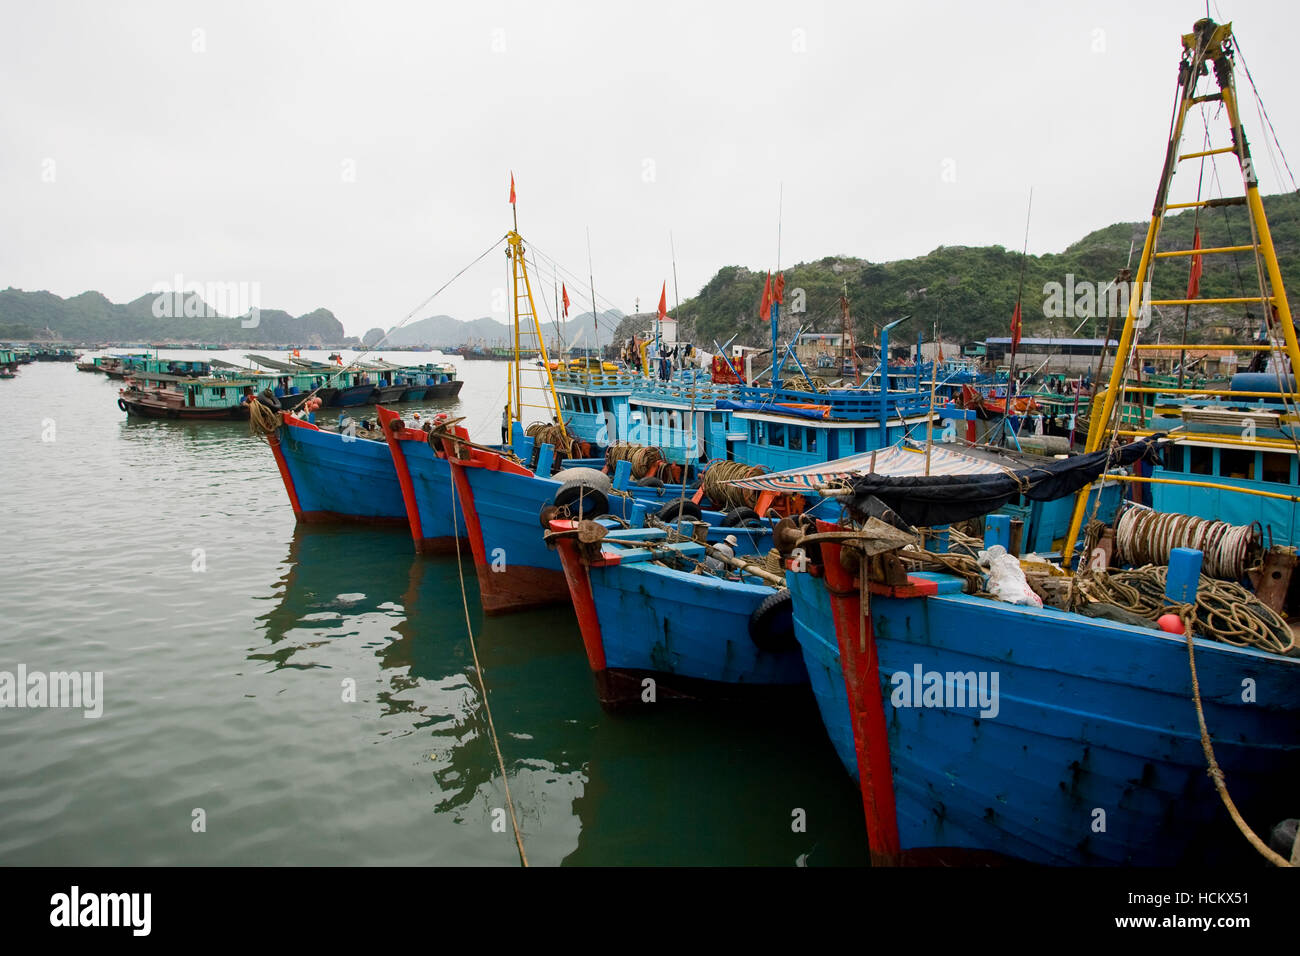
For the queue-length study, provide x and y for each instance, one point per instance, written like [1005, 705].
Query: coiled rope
[645, 459]
[714, 484]
[1144, 536]
[542, 433]
[262, 421]
[1225, 611]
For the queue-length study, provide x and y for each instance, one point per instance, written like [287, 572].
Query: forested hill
[90, 317]
[971, 291]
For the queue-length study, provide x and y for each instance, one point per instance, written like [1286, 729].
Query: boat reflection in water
[588, 787]
[394, 622]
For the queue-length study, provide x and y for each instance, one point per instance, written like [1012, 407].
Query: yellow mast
[1208, 43]
[524, 313]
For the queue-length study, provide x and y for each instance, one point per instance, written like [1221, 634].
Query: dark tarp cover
[942, 499]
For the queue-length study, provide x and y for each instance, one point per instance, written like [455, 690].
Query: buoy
[1170, 623]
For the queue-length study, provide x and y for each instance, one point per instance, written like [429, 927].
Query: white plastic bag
[1006, 580]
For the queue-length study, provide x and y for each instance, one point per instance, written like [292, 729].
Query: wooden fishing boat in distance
[174, 397]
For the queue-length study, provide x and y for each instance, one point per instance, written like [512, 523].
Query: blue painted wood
[622, 474]
[696, 626]
[997, 530]
[1184, 575]
[545, 459]
[431, 481]
[1090, 715]
[342, 475]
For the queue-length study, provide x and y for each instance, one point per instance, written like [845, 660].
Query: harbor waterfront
[162, 555]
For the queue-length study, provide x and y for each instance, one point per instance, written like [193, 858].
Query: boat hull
[353, 396]
[167, 410]
[1092, 754]
[424, 477]
[502, 505]
[653, 632]
[334, 477]
[444, 390]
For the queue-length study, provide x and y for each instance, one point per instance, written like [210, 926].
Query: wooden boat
[336, 476]
[978, 727]
[1087, 751]
[157, 395]
[654, 626]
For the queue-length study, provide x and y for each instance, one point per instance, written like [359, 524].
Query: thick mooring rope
[262, 421]
[1224, 611]
[1144, 536]
[714, 484]
[478, 673]
[645, 459]
[1187, 613]
[566, 446]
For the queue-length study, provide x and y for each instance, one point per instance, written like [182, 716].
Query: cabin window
[776, 435]
[1174, 459]
[796, 438]
[1237, 463]
[812, 439]
[1277, 467]
[756, 432]
[1200, 460]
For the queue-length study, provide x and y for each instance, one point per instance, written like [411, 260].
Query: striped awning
[896, 462]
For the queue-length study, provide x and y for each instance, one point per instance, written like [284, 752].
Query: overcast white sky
[354, 156]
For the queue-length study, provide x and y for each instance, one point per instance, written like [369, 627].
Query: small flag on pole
[564, 294]
[778, 289]
[765, 307]
[1015, 328]
[1194, 278]
[663, 301]
[512, 188]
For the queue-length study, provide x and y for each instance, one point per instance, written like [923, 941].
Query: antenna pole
[591, 278]
[1020, 290]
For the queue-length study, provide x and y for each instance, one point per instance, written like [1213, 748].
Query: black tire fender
[771, 626]
[582, 500]
[679, 509]
[741, 518]
[121, 403]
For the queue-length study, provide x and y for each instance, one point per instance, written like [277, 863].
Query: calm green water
[223, 675]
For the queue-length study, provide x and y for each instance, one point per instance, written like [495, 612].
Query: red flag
[565, 293]
[940, 353]
[765, 307]
[512, 188]
[778, 289]
[1194, 279]
[1015, 327]
[663, 301]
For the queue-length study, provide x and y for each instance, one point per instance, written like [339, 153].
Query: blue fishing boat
[980, 728]
[977, 727]
[500, 504]
[336, 475]
[654, 626]
[1092, 715]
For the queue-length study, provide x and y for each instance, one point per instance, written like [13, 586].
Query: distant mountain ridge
[442, 330]
[158, 317]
